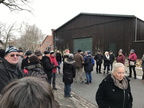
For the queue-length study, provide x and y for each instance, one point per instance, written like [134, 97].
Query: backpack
[88, 66]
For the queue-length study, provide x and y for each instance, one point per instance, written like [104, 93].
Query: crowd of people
[18, 70]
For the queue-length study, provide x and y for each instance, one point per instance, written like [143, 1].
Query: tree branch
[14, 6]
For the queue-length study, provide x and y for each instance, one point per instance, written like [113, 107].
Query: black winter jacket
[110, 96]
[98, 58]
[69, 71]
[8, 73]
[24, 63]
[106, 61]
[47, 65]
[58, 57]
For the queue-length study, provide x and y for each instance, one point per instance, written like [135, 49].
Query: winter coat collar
[44, 58]
[8, 65]
[110, 80]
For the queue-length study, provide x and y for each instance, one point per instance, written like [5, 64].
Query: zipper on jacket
[123, 99]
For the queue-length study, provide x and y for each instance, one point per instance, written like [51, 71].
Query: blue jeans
[88, 77]
[67, 90]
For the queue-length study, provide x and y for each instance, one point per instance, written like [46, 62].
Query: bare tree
[17, 5]
[2, 26]
[7, 33]
[31, 38]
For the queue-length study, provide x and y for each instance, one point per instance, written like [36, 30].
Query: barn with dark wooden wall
[103, 32]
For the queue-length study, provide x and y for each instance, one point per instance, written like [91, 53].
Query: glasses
[13, 55]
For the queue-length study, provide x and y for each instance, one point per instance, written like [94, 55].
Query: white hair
[106, 52]
[116, 66]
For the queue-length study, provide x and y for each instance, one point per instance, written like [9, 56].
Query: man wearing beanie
[9, 69]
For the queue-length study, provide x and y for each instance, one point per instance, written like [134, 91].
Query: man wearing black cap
[47, 65]
[98, 58]
[25, 61]
[9, 69]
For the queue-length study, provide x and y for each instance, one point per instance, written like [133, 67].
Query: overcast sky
[51, 14]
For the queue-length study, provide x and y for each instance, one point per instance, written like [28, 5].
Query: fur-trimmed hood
[69, 61]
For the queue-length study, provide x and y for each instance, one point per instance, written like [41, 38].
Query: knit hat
[10, 49]
[70, 56]
[132, 50]
[88, 52]
[120, 50]
[46, 52]
[51, 52]
[67, 51]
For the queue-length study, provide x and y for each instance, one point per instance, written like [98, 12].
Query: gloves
[57, 67]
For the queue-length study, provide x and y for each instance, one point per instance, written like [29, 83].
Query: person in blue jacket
[88, 66]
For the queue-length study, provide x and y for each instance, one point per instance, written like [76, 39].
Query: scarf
[107, 56]
[120, 84]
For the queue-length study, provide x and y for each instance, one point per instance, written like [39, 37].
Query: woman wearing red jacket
[120, 58]
[132, 63]
[55, 63]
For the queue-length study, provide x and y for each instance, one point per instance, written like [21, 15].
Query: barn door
[83, 44]
[112, 47]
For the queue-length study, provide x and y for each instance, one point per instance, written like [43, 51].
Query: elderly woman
[114, 91]
[106, 59]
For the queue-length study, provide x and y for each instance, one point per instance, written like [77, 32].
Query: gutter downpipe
[136, 30]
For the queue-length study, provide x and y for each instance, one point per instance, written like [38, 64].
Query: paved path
[84, 94]
[76, 101]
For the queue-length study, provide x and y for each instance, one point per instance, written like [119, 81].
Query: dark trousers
[106, 67]
[59, 62]
[67, 90]
[49, 76]
[143, 76]
[98, 68]
[54, 80]
[111, 66]
[130, 70]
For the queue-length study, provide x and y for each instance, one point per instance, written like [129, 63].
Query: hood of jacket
[69, 61]
[33, 66]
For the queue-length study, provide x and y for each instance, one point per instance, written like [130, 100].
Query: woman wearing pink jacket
[132, 63]
[55, 63]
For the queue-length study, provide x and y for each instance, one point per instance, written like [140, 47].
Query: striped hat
[10, 49]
